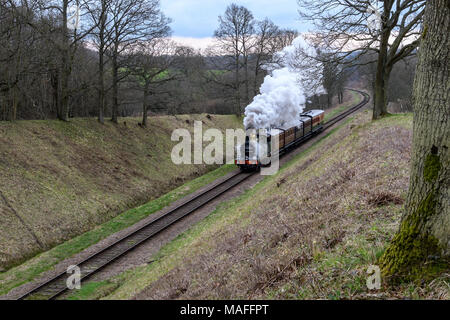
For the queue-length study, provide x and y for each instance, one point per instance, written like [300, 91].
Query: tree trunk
[101, 91]
[54, 76]
[101, 66]
[238, 88]
[115, 88]
[145, 106]
[255, 81]
[101, 85]
[421, 247]
[65, 74]
[380, 107]
[15, 98]
[247, 82]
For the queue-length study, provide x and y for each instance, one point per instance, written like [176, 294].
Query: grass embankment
[309, 232]
[43, 262]
[62, 179]
[351, 99]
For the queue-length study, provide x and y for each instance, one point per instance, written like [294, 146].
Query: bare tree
[65, 40]
[285, 38]
[101, 34]
[11, 50]
[342, 28]
[334, 78]
[235, 37]
[330, 71]
[47, 22]
[151, 67]
[269, 40]
[267, 36]
[420, 249]
[132, 21]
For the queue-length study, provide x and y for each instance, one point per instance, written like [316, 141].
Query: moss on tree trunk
[420, 249]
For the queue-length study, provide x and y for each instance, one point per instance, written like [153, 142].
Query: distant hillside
[61, 179]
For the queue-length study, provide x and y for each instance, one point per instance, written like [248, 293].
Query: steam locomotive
[257, 150]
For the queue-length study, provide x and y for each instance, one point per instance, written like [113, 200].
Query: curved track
[348, 112]
[56, 286]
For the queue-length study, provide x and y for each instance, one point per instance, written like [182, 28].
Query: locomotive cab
[247, 155]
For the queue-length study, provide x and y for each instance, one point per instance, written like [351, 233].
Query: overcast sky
[198, 18]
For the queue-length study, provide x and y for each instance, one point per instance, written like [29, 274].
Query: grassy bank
[43, 262]
[310, 232]
[60, 179]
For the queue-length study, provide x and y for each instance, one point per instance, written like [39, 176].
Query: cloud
[199, 18]
[196, 43]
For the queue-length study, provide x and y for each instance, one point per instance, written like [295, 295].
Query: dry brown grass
[310, 232]
[61, 179]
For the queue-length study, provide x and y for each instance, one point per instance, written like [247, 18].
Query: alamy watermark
[374, 21]
[225, 149]
[74, 280]
[373, 281]
[73, 17]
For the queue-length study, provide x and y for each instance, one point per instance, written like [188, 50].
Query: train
[257, 149]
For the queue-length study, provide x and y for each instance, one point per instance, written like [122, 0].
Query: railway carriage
[257, 144]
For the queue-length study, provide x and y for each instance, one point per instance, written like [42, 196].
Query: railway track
[348, 112]
[56, 286]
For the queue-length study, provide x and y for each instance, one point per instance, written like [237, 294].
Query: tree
[269, 39]
[49, 22]
[266, 32]
[235, 36]
[132, 21]
[330, 72]
[99, 14]
[422, 242]
[12, 37]
[152, 61]
[334, 79]
[342, 27]
[66, 41]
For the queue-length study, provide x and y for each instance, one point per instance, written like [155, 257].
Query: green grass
[29, 271]
[93, 290]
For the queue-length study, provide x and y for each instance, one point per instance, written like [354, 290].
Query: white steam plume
[285, 90]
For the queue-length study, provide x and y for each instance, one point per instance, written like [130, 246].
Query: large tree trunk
[422, 245]
[380, 107]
